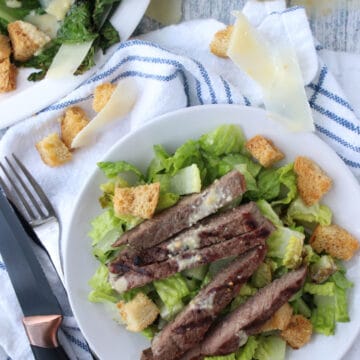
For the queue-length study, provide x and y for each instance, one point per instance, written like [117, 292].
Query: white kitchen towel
[172, 68]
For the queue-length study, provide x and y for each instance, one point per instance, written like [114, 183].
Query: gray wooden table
[335, 23]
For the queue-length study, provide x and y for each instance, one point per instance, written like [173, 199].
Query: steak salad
[218, 251]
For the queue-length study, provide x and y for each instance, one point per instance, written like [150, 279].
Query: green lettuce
[287, 179]
[316, 213]
[269, 212]
[171, 290]
[223, 140]
[262, 276]
[223, 357]
[166, 200]
[247, 351]
[113, 169]
[286, 244]
[101, 288]
[270, 348]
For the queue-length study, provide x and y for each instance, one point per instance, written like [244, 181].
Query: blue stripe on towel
[2, 266]
[84, 346]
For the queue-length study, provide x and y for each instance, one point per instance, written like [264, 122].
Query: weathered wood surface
[335, 23]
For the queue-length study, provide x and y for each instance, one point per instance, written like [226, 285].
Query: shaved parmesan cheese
[121, 102]
[59, 8]
[68, 59]
[13, 4]
[46, 23]
[275, 68]
[166, 12]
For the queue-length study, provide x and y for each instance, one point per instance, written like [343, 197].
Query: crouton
[53, 151]
[335, 241]
[139, 313]
[220, 42]
[26, 39]
[5, 49]
[138, 200]
[8, 74]
[298, 332]
[312, 182]
[280, 320]
[72, 122]
[263, 150]
[102, 95]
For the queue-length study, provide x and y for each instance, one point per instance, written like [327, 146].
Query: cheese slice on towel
[274, 66]
[120, 104]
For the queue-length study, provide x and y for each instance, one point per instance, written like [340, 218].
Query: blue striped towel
[172, 69]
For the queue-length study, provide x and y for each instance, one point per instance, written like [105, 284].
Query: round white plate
[110, 340]
[34, 97]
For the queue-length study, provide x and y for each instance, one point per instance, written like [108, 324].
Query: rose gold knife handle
[42, 333]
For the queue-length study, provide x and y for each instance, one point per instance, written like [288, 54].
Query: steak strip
[189, 327]
[136, 277]
[214, 229]
[232, 331]
[185, 213]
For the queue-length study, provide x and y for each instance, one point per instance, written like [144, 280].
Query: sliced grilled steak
[189, 327]
[136, 277]
[214, 229]
[185, 213]
[226, 336]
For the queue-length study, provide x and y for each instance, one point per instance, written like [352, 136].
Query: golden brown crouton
[8, 74]
[102, 95]
[263, 150]
[5, 49]
[138, 200]
[334, 240]
[73, 121]
[312, 182]
[26, 39]
[298, 332]
[280, 320]
[220, 42]
[139, 313]
[53, 151]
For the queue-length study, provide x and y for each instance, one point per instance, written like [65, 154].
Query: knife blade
[42, 313]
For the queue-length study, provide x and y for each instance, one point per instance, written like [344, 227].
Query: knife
[42, 313]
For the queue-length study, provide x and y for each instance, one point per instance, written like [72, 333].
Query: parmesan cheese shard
[275, 68]
[67, 60]
[120, 104]
[166, 12]
[59, 8]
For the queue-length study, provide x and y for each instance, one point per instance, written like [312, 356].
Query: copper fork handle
[42, 330]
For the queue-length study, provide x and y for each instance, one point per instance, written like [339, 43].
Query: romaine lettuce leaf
[171, 290]
[287, 245]
[287, 179]
[262, 276]
[225, 139]
[101, 288]
[316, 213]
[166, 200]
[247, 351]
[103, 224]
[269, 212]
[113, 169]
[223, 357]
[270, 348]
[235, 159]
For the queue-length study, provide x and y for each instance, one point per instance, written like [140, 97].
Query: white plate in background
[110, 340]
[31, 97]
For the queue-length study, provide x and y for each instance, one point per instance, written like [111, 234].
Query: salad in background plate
[288, 196]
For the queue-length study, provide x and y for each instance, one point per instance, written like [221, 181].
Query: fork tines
[23, 190]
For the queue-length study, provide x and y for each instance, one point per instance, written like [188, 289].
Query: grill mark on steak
[224, 337]
[139, 276]
[211, 230]
[185, 213]
[190, 325]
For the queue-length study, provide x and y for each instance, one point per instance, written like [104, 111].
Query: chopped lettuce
[249, 179]
[287, 245]
[287, 179]
[270, 348]
[166, 200]
[113, 169]
[223, 140]
[186, 181]
[322, 269]
[262, 276]
[316, 213]
[236, 159]
[247, 351]
[269, 212]
[172, 290]
[300, 307]
[101, 288]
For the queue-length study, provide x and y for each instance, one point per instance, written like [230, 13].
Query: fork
[31, 201]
